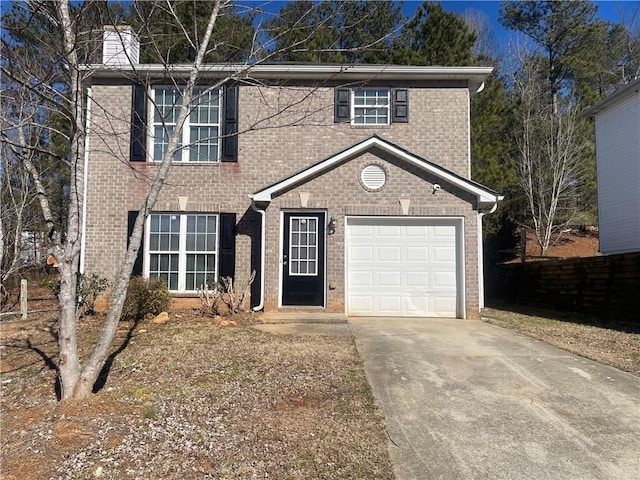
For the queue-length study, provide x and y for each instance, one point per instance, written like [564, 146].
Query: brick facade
[283, 130]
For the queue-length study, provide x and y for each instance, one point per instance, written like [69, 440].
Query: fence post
[23, 298]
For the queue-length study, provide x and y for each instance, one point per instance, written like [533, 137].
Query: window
[183, 250]
[371, 106]
[201, 131]
[303, 246]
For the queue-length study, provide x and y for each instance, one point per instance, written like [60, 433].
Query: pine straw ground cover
[191, 400]
[611, 344]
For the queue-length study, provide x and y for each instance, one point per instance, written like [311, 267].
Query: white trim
[475, 76]
[457, 222]
[83, 230]
[485, 197]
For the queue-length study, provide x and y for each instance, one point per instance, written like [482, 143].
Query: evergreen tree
[335, 32]
[435, 37]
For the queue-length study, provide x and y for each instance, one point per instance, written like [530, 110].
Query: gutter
[263, 235]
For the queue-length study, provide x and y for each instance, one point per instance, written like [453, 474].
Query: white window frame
[377, 106]
[184, 153]
[182, 249]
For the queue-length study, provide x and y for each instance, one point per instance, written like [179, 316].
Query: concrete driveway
[469, 400]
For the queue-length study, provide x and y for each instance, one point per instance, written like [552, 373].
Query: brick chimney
[120, 46]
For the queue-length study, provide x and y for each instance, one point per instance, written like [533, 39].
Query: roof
[486, 197]
[474, 76]
[619, 95]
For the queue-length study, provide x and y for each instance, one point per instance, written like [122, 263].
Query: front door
[303, 259]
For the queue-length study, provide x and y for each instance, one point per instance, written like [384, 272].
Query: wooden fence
[606, 287]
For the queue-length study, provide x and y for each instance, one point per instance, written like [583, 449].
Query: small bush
[145, 299]
[87, 289]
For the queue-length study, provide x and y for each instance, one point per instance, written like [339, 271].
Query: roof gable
[485, 196]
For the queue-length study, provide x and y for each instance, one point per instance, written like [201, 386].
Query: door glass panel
[303, 238]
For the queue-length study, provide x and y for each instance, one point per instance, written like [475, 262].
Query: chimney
[120, 46]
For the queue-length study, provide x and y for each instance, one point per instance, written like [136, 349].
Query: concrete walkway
[469, 400]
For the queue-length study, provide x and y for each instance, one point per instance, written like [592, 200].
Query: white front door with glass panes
[182, 250]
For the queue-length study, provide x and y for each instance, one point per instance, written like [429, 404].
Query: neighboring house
[617, 123]
[346, 187]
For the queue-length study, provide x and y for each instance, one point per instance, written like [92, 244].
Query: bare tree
[548, 163]
[62, 90]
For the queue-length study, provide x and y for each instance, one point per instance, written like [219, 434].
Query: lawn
[189, 399]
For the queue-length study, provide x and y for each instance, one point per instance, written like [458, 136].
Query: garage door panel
[417, 254]
[361, 279]
[401, 267]
[361, 254]
[388, 254]
[444, 280]
[417, 280]
[388, 304]
[389, 279]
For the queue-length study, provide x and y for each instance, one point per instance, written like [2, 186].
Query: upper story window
[200, 138]
[371, 106]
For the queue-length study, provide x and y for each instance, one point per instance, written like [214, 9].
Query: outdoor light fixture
[436, 187]
[331, 226]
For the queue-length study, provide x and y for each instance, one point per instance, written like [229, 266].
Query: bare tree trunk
[99, 355]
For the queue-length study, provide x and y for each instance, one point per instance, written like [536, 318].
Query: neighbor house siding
[618, 167]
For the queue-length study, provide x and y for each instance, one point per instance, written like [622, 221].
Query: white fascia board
[485, 198]
[475, 76]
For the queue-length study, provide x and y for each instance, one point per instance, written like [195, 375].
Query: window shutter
[400, 105]
[137, 265]
[138, 151]
[230, 124]
[227, 246]
[342, 106]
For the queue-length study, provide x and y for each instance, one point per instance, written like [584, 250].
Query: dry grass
[610, 346]
[189, 399]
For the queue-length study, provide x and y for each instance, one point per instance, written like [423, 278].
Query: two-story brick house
[346, 187]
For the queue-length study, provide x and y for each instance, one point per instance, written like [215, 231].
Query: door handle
[284, 259]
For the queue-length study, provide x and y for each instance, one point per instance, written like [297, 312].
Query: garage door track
[469, 400]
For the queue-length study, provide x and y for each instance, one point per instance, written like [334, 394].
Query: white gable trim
[486, 198]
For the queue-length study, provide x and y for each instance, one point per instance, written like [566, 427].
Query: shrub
[87, 290]
[89, 287]
[145, 299]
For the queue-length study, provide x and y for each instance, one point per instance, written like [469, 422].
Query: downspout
[84, 181]
[263, 235]
[481, 256]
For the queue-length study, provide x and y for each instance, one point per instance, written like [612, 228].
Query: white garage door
[402, 267]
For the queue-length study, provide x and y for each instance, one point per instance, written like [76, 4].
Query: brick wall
[282, 130]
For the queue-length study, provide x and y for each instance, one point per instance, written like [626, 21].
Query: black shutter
[227, 246]
[342, 105]
[400, 105]
[137, 265]
[230, 124]
[138, 151]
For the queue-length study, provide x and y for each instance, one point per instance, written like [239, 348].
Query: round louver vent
[373, 177]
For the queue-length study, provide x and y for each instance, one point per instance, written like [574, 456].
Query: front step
[303, 317]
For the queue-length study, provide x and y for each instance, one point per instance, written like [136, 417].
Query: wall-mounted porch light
[331, 226]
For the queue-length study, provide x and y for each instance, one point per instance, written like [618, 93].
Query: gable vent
[373, 177]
